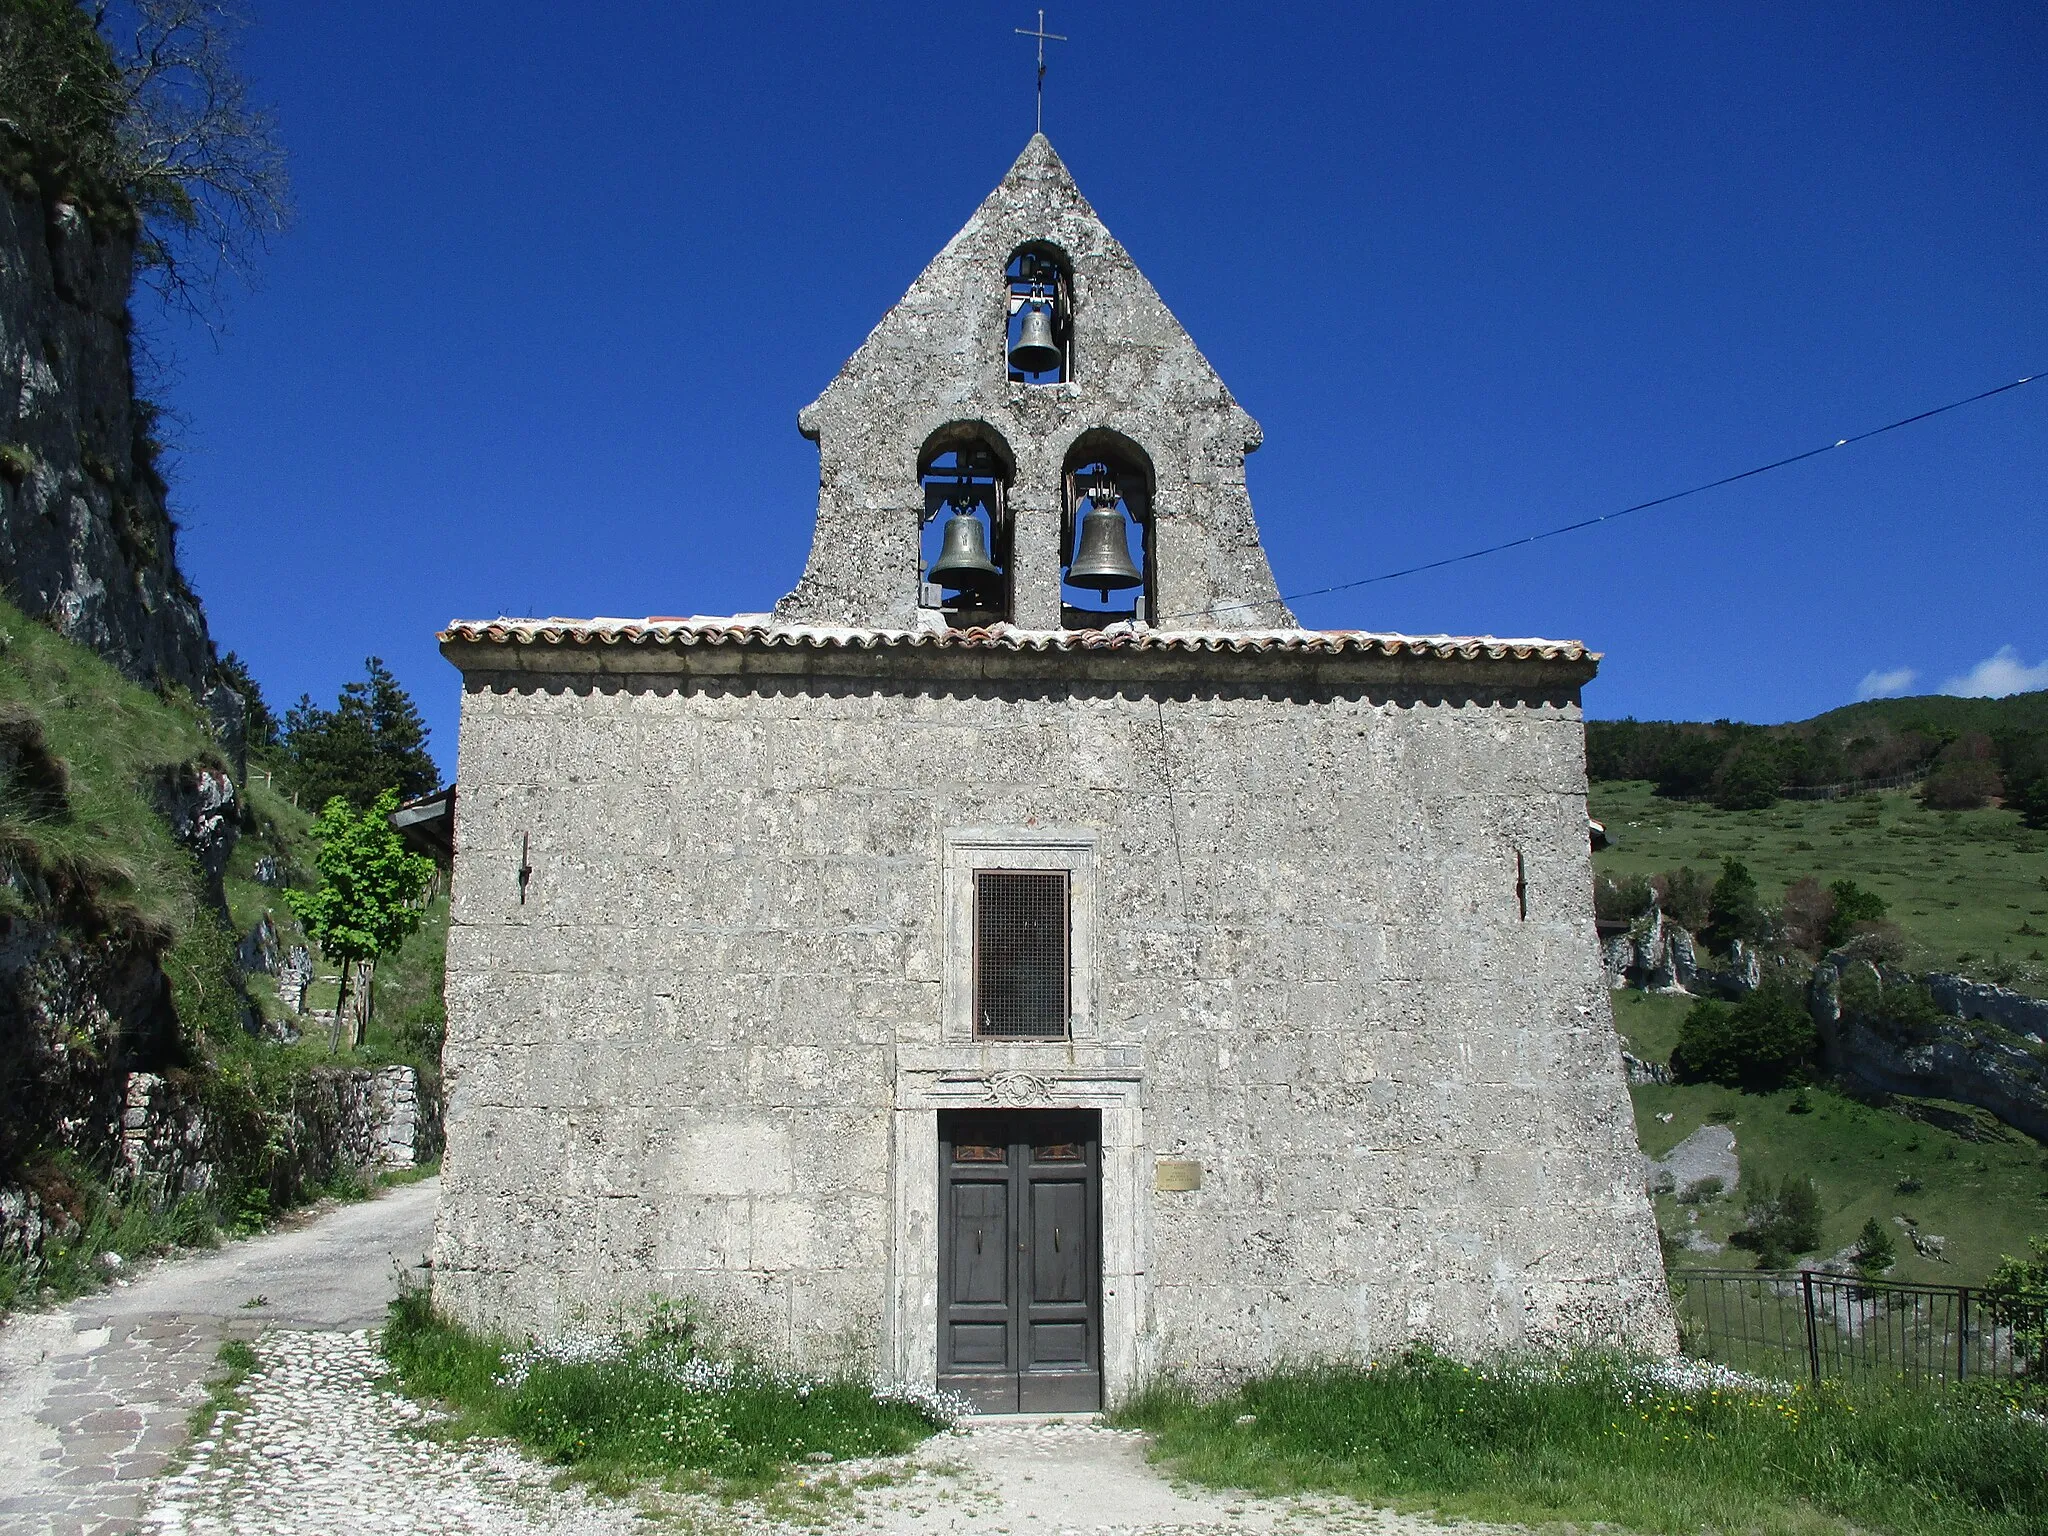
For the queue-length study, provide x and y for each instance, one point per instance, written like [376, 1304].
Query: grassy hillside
[1969, 889]
[111, 860]
[1986, 1197]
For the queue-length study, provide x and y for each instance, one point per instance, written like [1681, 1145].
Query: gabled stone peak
[936, 364]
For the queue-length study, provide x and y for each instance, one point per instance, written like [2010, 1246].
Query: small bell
[1036, 351]
[1103, 558]
[963, 562]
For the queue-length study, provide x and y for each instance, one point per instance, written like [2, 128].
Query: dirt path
[95, 1399]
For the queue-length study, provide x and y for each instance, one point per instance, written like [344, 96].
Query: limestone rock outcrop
[1968, 999]
[86, 542]
[1965, 1060]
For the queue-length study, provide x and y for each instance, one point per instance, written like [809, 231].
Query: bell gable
[1033, 383]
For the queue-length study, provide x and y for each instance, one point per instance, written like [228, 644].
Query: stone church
[1026, 960]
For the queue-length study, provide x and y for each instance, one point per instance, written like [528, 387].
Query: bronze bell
[1103, 560]
[963, 562]
[1036, 351]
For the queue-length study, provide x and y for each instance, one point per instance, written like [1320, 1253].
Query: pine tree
[372, 740]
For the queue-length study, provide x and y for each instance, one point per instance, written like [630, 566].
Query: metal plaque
[1178, 1173]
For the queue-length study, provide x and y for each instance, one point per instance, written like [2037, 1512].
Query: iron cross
[1043, 37]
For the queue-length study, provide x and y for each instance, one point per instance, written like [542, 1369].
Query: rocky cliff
[1970, 1061]
[86, 542]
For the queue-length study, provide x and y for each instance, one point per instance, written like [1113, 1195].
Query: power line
[1608, 517]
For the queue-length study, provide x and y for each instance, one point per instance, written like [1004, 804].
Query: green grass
[1960, 884]
[111, 736]
[237, 1358]
[1985, 1197]
[1590, 1440]
[631, 1409]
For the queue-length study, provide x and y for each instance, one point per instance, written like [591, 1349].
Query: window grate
[1020, 953]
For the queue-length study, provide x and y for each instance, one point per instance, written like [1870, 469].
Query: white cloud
[1885, 685]
[1996, 676]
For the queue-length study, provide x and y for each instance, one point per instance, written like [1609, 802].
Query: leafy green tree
[1853, 905]
[369, 894]
[2019, 1298]
[1749, 780]
[1734, 910]
[372, 740]
[1762, 1043]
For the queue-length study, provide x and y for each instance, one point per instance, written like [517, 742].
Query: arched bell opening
[964, 549]
[1106, 542]
[1038, 342]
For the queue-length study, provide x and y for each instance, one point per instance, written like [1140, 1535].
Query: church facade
[1026, 960]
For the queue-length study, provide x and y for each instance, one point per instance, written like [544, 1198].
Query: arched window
[1039, 341]
[965, 549]
[1106, 533]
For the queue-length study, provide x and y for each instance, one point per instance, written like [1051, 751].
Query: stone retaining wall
[168, 1146]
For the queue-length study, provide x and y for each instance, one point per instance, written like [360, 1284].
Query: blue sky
[563, 275]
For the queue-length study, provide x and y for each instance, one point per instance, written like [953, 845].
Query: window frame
[1020, 849]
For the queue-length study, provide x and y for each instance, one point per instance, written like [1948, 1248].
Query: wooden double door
[1020, 1259]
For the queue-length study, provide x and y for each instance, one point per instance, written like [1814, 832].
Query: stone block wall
[696, 1050]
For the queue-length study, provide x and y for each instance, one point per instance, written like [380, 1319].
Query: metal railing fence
[1817, 1324]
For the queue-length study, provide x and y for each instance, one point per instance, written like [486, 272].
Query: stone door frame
[930, 1079]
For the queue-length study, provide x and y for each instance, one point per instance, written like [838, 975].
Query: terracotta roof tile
[747, 632]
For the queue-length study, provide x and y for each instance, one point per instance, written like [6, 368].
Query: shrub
[1905, 1008]
[1621, 900]
[1968, 785]
[1686, 896]
[1808, 914]
[1781, 1224]
[1763, 1042]
[1881, 943]
[1701, 1191]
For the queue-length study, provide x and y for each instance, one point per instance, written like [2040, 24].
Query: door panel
[981, 1244]
[1020, 1275]
[1059, 1242]
[982, 1344]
